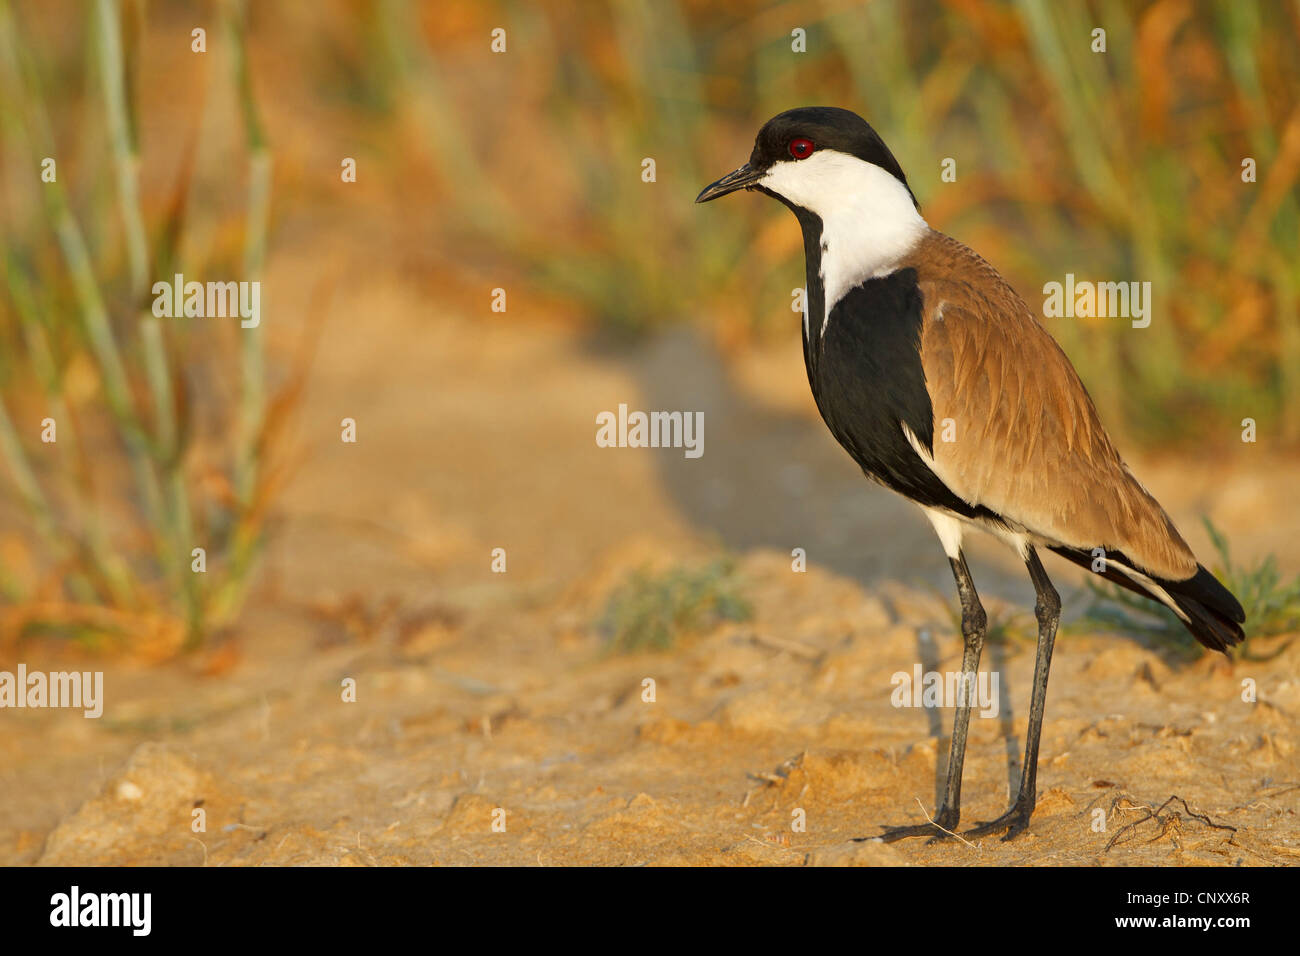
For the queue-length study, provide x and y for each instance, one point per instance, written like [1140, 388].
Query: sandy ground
[479, 692]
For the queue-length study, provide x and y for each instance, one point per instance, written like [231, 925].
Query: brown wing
[1027, 441]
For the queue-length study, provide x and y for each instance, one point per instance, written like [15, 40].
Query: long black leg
[1048, 611]
[973, 623]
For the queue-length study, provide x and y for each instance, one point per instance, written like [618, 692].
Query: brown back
[1028, 444]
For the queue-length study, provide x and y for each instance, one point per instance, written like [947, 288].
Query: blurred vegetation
[79, 344]
[650, 611]
[1124, 165]
[1272, 607]
[528, 166]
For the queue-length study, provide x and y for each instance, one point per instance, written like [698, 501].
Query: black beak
[742, 178]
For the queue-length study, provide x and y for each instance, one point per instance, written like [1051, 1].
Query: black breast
[867, 378]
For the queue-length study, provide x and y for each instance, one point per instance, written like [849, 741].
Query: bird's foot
[940, 829]
[1015, 822]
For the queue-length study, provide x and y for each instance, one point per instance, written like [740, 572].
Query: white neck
[869, 222]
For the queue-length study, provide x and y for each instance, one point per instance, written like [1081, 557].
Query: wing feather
[1029, 443]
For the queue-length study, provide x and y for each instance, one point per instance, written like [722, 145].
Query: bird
[905, 329]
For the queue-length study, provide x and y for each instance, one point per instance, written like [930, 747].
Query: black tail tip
[1213, 614]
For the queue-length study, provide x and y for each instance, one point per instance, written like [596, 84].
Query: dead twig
[1166, 823]
[930, 820]
[790, 647]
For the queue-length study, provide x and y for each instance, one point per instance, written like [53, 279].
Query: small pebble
[126, 790]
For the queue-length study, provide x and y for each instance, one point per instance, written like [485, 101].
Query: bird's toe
[1014, 822]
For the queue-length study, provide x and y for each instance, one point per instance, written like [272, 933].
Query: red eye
[801, 148]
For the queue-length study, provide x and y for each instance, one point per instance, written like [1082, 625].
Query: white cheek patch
[869, 222]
